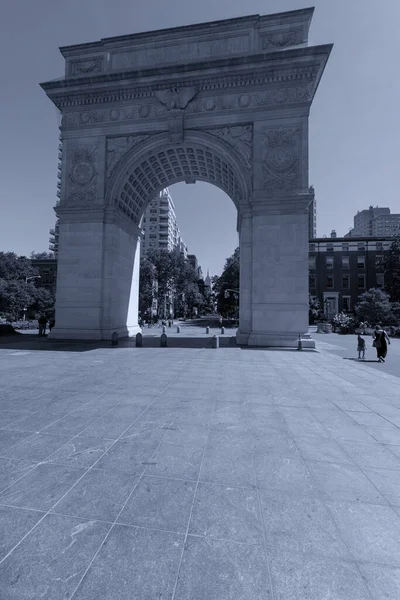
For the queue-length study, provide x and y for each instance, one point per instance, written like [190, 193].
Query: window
[361, 281]
[345, 247]
[380, 280]
[312, 282]
[329, 247]
[361, 245]
[346, 282]
[329, 282]
[329, 262]
[152, 236]
[379, 245]
[311, 263]
[346, 303]
[311, 247]
[360, 262]
[153, 219]
[379, 261]
[153, 211]
[345, 262]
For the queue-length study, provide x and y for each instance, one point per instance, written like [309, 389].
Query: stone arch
[156, 163]
[143, 111]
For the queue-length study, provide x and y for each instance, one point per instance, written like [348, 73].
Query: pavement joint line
[126, 501]
[192, 504]
[76, 482]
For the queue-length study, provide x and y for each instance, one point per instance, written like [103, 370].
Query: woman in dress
[381, 341]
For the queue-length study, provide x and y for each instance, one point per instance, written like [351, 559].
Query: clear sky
[354, 125]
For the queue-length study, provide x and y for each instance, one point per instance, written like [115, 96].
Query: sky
[354, 121]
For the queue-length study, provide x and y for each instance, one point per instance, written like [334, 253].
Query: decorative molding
[84, 67]
[117, 148]
[282, 39]
[82, 175]
[298, 74]
[281, 159]
[240, 137]
[151, 110]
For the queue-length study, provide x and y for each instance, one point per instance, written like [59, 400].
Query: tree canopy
[392, 271]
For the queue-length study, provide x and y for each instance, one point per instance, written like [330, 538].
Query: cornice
[101, 90]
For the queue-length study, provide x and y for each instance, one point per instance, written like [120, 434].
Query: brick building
[341, 269]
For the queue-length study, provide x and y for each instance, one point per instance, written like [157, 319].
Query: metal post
[300, 344]
[163, 341]
[139, 340]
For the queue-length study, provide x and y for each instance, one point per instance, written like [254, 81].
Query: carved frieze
[176, 98]
[281, 159]
[240, 137]
[275, 40]
[197, 104]
[163, 54]
[117, 147]
[82, 174]
[86, 67]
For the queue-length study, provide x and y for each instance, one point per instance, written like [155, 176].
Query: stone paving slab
[192, 474]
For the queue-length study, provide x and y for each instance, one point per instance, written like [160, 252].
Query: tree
[314, 309]
[228, 302]
[392, 271]
[13, 267]
[374, 307]
[147, 280]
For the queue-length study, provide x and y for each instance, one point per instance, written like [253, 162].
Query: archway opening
[188, 233]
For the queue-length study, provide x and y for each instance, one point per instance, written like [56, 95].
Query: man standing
[42, 325]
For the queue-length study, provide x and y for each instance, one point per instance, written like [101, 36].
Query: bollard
[178, 329]
[207, 329]
[164, 341]
[164, 329]
[215, 341]
[222, 330]
[300, 344]
[114, 339]
[139, 340]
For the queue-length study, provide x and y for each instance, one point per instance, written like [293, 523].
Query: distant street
[345, 346]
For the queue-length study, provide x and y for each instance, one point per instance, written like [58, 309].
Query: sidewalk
[187, 474]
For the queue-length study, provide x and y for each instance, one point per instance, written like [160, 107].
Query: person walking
[381, 341]
[42, 325]
[360, 347]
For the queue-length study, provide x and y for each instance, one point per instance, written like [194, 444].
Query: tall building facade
[160, 230]
[375, 222]
[312, 215]
[54, 232]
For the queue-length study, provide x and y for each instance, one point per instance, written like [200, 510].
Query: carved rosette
[82, 175]
[281, 159]
[117, 148]
[240, 138]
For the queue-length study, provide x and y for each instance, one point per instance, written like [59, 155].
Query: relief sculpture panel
[82, 175]
[281, 159]
[240, 137]
[117, 148]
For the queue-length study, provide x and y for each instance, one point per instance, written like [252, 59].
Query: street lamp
[33, 277]
[236, 294]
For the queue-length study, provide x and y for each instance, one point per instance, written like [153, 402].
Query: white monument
[225, 102]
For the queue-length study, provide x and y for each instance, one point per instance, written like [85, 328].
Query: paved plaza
[197, 474]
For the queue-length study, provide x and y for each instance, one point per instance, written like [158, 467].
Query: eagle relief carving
[176, 100]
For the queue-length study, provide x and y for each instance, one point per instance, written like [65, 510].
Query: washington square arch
[225, 102]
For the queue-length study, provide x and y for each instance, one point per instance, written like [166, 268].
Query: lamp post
[33, 277]
[236, 296]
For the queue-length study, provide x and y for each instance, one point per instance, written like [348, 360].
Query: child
[360, 347]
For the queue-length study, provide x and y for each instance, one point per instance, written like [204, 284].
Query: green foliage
[374, 307]
[16, 294]
[41, 255]
[392, 271]
[228, 302]
[170, 278]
